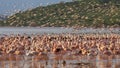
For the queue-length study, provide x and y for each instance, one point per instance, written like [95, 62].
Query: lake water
[49, 30]
[60, 61]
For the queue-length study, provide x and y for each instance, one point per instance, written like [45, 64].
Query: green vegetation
[83, 13]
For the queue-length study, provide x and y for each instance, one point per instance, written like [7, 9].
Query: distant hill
[83, 13]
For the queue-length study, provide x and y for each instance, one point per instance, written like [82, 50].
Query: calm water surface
[42, 30]
[60, 61]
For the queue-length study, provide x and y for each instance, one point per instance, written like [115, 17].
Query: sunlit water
[49, 30]
[58, 61]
